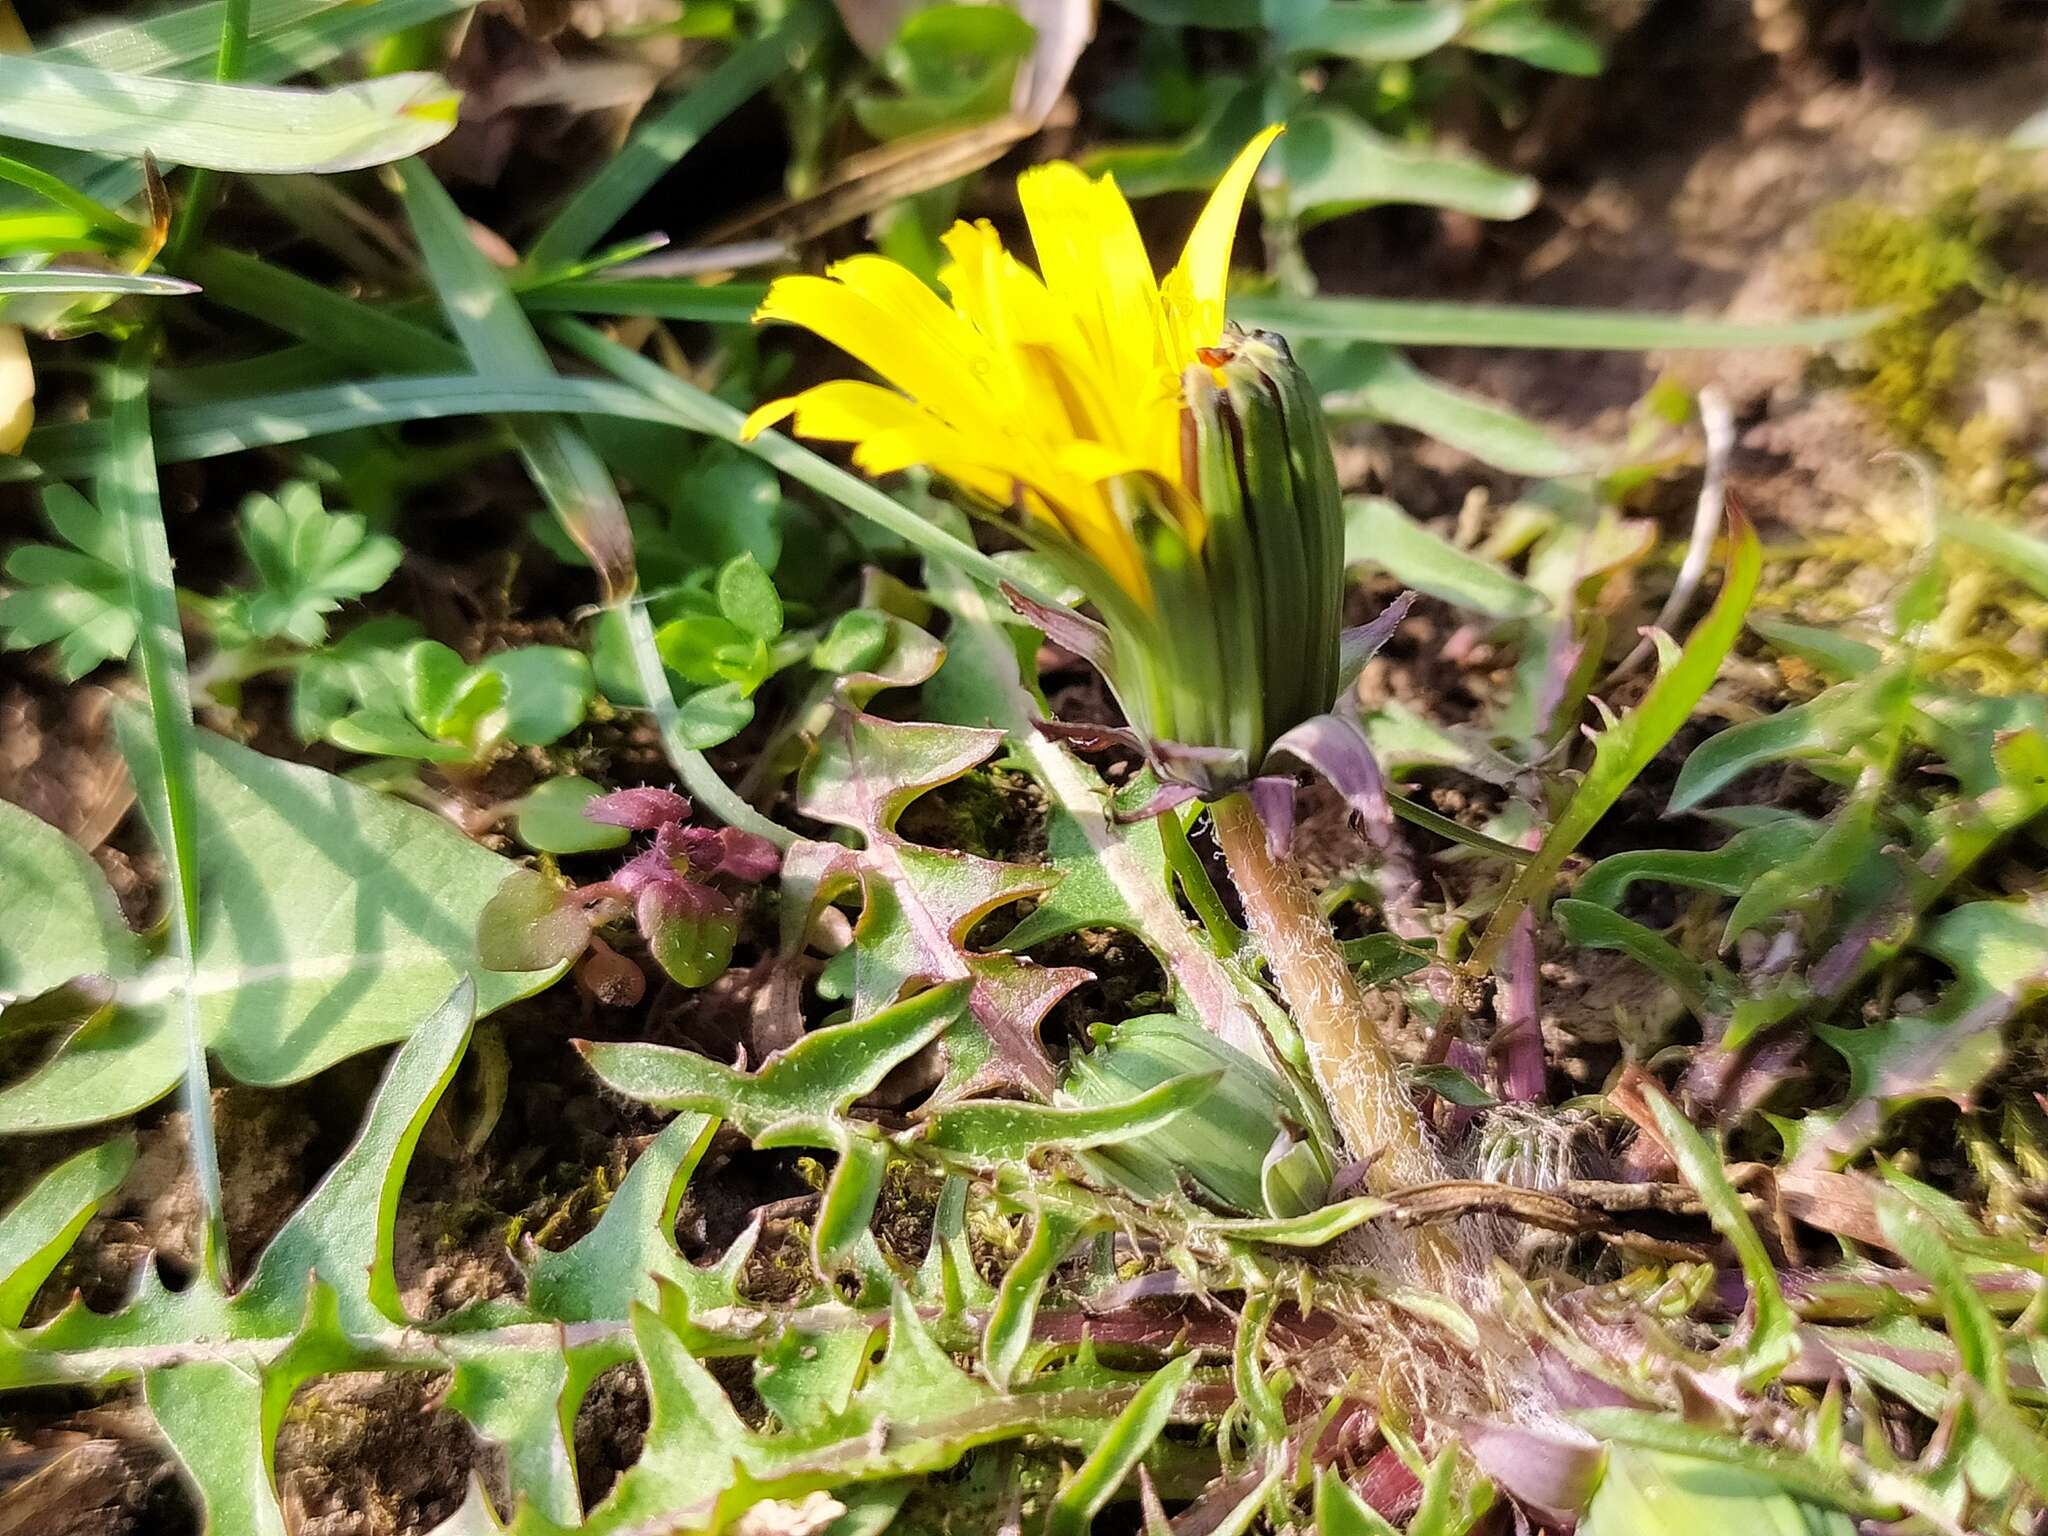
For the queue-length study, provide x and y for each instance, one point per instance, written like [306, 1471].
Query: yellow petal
[17, 390]
[903, 353]
[1093, 260]
[1205, 259]
[762, 417]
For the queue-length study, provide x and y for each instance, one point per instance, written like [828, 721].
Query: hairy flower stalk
[1178, 472]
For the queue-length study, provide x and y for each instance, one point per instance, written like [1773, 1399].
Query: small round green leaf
[748, 598]
[551, 820]
[856, 642]
[712, 716]
[386, 733]
[547, 691]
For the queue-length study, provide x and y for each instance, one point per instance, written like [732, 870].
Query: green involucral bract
[1241, 642]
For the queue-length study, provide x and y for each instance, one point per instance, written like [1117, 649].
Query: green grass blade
[267, 421]
[189, 35]
[128, 494]
[572, 479]
[1627, 747]
[1379, 383]
[501, 344]
[658, 298]
[1408, 322]
[365, 335]
[54, 280]
[708, 414]
[287, 38]
[662, 138]
[223, 127]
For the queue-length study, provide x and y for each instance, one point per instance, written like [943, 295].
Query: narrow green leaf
[616, 1262]
[990, 1132]
[128, 494]
[366, 335]
[2015, 551]
[1521, 32]
[223, 127]
[570, 476]
[1340, 1512]
[1367, 379]
[2022, 1445]
[1627, 747]
[1801, 730]
[1116, 1456]
[1726, 871]
[809, 1084]
[1596, 927]
[1915, 1238]
[848, 1204]
[211, 1411]
[1773, 1340]
[63, 280]
[1378, 533]
[1671, 1435]
[1334, 163]
[189, 35]
[58, 916]
[38, 1229]
[657, 298]
[1312, 1230]
[519, 1398]
[1371, 31]
[292, 416]
[706, 413]
[1055, 1228]
[342, 1233]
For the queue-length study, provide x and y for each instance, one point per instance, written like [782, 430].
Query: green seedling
[456, 713]
[305, 564]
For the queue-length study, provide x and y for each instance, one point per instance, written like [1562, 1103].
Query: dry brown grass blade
[865, 183]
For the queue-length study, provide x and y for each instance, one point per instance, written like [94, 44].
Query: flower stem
[1357, 1074]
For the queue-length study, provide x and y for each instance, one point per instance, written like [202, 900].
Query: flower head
[1050, 393]
[1177, 470]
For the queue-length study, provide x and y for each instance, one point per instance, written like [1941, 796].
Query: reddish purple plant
[679, 892]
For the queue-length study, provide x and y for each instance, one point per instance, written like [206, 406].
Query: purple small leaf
[655, 866]
[1335, 746]
[638, 810]
[1463, 1056]
[731, 851]
[1066, 629]
[1273, 800]
[1552, 1471]
[1085, 737]
[1357, 646]
[1212, 771]
[1166, 797]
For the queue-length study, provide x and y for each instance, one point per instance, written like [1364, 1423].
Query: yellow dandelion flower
[1039, 391]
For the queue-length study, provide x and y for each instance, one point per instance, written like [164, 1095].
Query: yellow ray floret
[1032, 390]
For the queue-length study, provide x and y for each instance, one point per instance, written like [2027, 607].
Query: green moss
[1945, 259]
